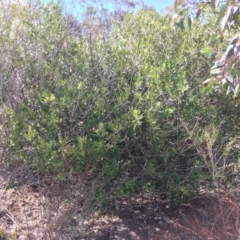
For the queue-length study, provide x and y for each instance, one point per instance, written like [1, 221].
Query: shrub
[128, 107]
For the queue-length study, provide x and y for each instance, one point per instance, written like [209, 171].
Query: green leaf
[206, 50]
[198, 13]
[236, 90]
[181, 23]
[189, 21]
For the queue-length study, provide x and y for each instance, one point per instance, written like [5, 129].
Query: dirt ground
[31, 208]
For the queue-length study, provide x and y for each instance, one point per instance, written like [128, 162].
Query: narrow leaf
[235, 10]
[224, 81]
[221, 14]
[181, 23]
[229, 89]
[207, 81]
[236, 90]
[229, 52]
[189, 22]
[229, 77]
[226, 18]
[198, 12]
[215, 71]
[234, 39]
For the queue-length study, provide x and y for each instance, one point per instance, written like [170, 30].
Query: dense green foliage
[128, 108]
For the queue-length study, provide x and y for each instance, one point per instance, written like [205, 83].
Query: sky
[73, 7]
[159, 4]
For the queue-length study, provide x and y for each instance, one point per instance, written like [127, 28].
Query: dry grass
[37, 207]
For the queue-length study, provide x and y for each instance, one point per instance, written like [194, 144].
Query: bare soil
[35, 208]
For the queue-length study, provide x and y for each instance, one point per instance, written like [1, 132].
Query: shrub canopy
[129, 108]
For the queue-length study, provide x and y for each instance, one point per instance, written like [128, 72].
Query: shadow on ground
[205, 218]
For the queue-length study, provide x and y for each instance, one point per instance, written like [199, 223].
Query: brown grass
[37, 207]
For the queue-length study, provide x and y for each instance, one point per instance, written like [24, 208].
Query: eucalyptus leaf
[224, 81]
[221, 62]
[221, 15]
[198, 13]
[229, 77]
[229, 52]
[229, 89]
[226, 17]
[234, 39]
[215, 71]
[235, 9]
[181, 23]
[236, 90]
